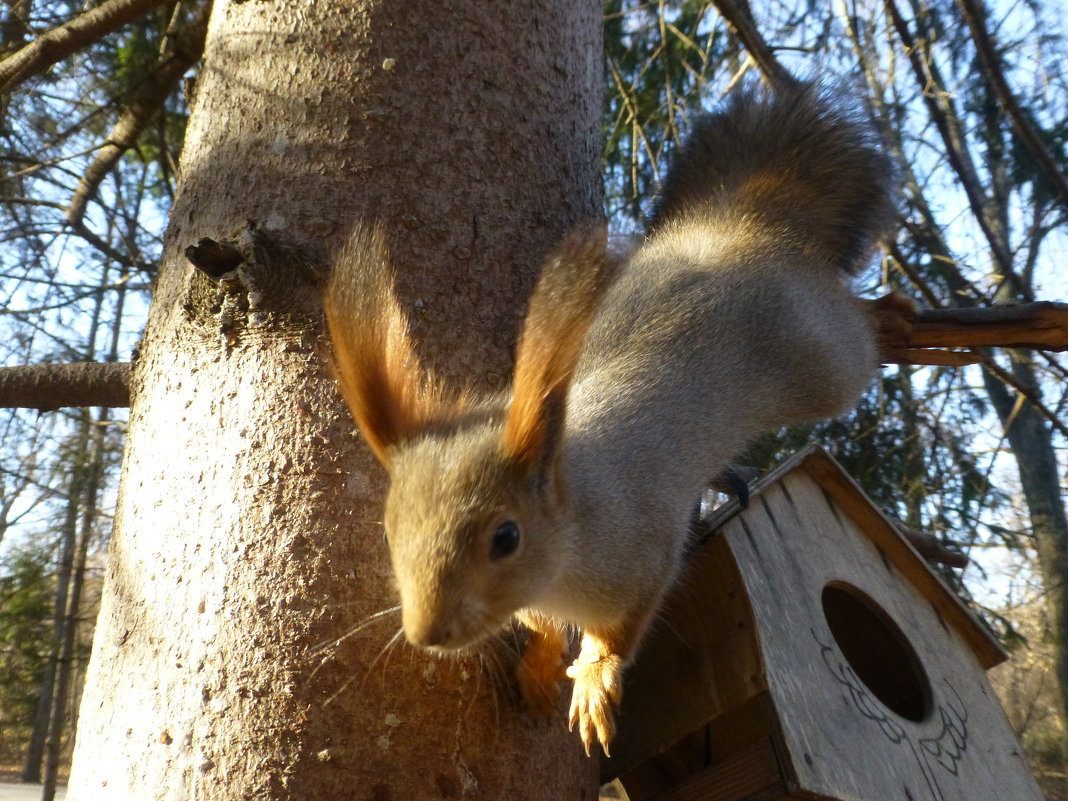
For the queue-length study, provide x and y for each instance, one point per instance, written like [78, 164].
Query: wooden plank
[727, 735]
[666, 770]
[1042, 325]
[749, 775]
[839, 740]
[700, 661]
[749, 723]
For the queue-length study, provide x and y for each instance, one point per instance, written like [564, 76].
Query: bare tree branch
[81, 229]
[739, 18]
[67, 39]
[929, 547]
[144, 103]
[944, 118]
[1007, 378]
[47, 387]
[974, 14]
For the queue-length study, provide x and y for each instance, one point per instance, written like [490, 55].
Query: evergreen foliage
[26, 590]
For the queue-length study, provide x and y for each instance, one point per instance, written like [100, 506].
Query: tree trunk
[246, 528]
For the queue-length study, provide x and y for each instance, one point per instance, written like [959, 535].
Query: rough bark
[470, 129]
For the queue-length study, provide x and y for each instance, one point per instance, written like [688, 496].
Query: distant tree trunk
[246, 528]
[68, 536]
[1029, 435]
[57, 727]
[85, 460]
[1032, 444]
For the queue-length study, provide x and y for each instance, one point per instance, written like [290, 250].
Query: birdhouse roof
[891, 545]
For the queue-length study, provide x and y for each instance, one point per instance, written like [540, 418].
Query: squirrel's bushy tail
[798, 163]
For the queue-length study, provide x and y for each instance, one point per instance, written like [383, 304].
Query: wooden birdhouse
[809, 652]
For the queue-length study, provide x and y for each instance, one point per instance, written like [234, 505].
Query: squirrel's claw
[598, 688]
[734, 480]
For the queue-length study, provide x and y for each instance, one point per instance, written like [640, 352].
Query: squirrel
[567, 501]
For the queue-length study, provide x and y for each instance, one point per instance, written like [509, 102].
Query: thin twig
[974, 14]
[940, 110]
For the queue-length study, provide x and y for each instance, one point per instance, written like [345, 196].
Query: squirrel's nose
[426, 633]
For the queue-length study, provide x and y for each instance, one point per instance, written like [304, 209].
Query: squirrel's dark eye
[505, 540]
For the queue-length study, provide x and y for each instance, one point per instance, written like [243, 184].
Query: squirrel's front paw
[598, 688]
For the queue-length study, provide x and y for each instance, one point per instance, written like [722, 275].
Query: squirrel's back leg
[541, 668]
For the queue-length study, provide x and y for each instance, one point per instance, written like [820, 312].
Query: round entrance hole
[877, 650]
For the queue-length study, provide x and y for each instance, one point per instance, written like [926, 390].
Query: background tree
[1027, 683]
[67, 283]
[24, 600]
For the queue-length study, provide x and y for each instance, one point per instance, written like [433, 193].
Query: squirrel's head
[476, 495]
[473, 534]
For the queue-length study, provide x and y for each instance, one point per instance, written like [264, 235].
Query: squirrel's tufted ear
[565, 300]
[391, 398]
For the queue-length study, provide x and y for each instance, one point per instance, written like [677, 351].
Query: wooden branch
[974, 14]
[48, 387]
[59, 43]
[1042, 326]
[142, 106]
[739, 18]
[908, 336]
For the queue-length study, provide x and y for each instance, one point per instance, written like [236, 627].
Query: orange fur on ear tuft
[563, 305]
[389, 395]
